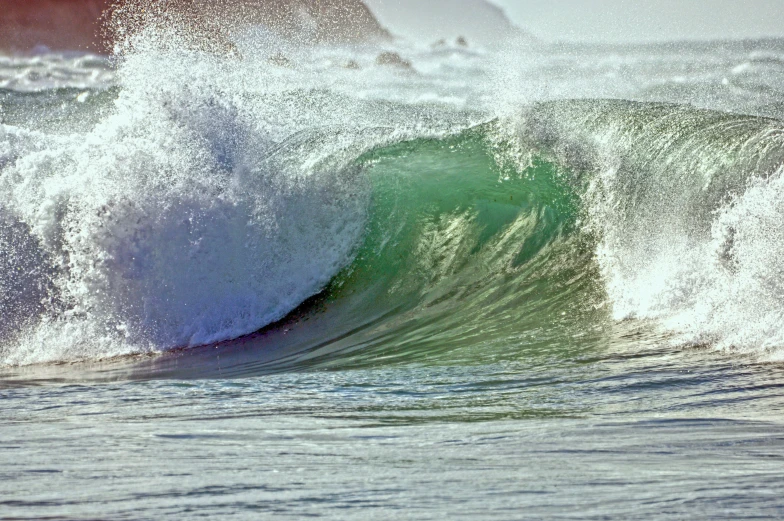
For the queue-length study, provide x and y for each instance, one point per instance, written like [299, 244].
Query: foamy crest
[724, 290]
[176, 221]
[686, 209]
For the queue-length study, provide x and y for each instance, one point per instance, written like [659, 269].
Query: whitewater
[486, 282]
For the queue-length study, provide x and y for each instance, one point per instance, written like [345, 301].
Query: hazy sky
[430, 20]
[646, 20]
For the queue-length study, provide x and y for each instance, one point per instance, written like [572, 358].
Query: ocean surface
[523, 282]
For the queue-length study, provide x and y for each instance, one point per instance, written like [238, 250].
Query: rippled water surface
[535, 282]
[650, 435]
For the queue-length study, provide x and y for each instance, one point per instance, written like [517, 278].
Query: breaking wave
[213, 201]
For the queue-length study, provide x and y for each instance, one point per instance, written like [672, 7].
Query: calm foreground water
[652, 435]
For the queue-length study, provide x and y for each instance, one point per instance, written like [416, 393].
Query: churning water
[522, 282]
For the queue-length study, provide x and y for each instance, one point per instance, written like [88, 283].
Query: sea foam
[182, 218]
[685, 209]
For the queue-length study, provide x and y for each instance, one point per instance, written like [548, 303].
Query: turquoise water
[239, 291]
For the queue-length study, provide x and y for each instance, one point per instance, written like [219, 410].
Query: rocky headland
[95, 25]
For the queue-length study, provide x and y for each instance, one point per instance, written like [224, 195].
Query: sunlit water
[527, 308]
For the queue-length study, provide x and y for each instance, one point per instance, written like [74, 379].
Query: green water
[569, 311]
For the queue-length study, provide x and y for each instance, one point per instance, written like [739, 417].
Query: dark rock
[393, 59]
[96, 25]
